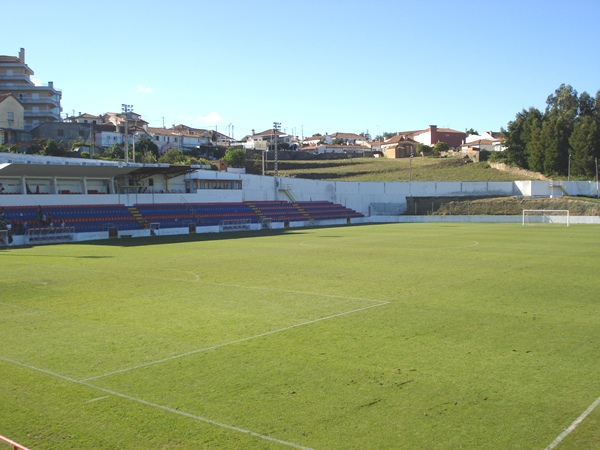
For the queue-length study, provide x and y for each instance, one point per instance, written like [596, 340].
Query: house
[119, 119]
[85, 118]
[182, 137]
[314, 140]
[64, 131]
[348, 138]
[399, 146]
[491, 141]
[12, 120]
[337, 148]
[264, 140]
[337, 138]
[433, 135]
[41, 103]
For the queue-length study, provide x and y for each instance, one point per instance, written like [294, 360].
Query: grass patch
[379, 336]
[388, 170]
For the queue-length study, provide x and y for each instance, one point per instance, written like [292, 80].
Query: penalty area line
[237, 341]
[157, 406]
[572, 427]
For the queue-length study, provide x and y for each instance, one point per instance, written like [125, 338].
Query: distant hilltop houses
[29, 111]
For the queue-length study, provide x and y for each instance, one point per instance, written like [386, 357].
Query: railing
[51, 114]
[39, 100]
[191, 209]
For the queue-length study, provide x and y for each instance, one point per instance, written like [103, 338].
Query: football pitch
[396, 336]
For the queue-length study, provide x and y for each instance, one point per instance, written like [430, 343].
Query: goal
[546, 216]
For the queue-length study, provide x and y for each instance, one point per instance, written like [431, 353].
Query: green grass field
[400, 336]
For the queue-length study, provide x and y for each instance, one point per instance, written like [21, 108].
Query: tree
[235, 157]
[565, 134]
[439, 147]
[518, 135]
[423, 149]
[533, 147]
[173, 156]
[115, 152]
[148, 149]
[52, 148]
[585, 146]
[471, 131]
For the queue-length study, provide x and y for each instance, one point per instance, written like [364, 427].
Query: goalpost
[551, 216]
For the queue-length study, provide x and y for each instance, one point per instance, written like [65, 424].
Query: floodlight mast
[127, 110]
[276, 128]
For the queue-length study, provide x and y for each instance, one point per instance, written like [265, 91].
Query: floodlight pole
[597, 191]
[127, 110]
[276, 128]
[569, 173]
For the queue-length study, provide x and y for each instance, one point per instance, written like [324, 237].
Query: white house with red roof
[265, 139]
[433, 135]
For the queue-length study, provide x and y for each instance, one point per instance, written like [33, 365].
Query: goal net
[546, 216]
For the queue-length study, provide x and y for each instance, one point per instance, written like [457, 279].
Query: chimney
[22, 55]
[253, 132]
[433, 134]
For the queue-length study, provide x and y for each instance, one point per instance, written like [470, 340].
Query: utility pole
[127, 110]
[597, 192]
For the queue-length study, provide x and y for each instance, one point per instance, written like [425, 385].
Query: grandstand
[93, 199]
[51, 200]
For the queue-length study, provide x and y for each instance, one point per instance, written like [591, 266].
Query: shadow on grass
[184, 238]
[202, 237]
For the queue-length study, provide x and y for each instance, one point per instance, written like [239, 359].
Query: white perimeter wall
[355, 195]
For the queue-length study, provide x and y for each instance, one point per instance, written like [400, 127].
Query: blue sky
[314, 66]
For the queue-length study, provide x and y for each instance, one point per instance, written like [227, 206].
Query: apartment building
[41, 103]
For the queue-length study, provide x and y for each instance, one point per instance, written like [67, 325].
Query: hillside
[388, 170]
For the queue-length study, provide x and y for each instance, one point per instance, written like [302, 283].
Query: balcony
[42, 114]
[39, 101]
[15, 88]
[20, 77]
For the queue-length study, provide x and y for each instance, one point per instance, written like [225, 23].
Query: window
[60, 132]
[150, 181]
[10, 116]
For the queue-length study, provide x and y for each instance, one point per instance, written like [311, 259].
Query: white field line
[10, 317]
[23, 311]
[437, 247]
[571, 427]
[155, 405]
[289, 291]
[20, 307]
[213, 347]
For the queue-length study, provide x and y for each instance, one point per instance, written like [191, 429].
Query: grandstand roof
[12, 165]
